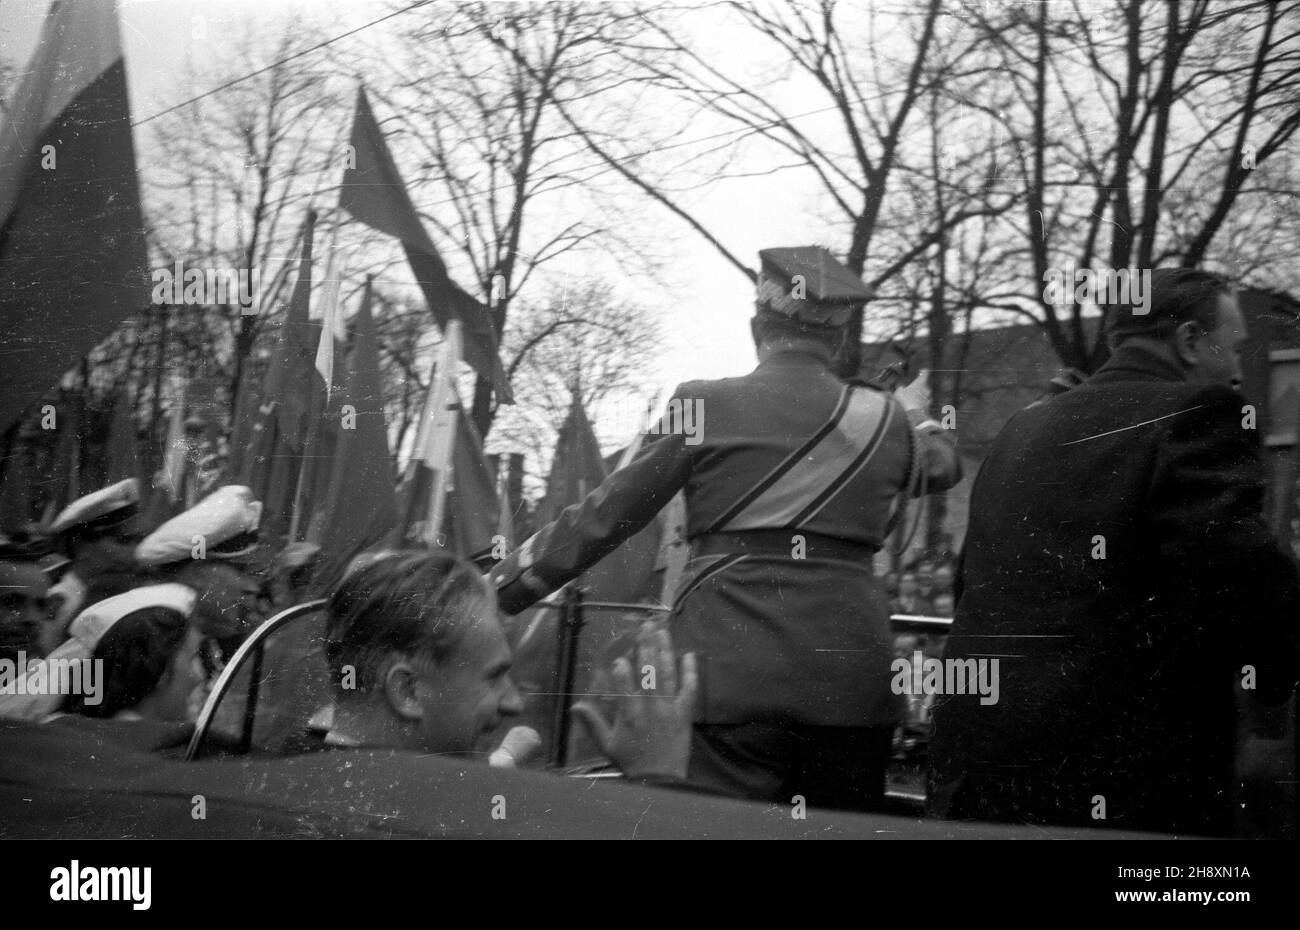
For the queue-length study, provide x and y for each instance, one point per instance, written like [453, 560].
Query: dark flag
[628, 574]
[63, 482]
[271, 440]
[16, 481]
[123, 454]
[373, 192]
[577, 468]
[359, 507]
[473, 508]
[73, 263]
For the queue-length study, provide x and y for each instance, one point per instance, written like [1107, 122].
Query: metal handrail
[257, 640]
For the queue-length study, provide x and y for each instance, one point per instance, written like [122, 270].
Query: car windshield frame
[253, 647]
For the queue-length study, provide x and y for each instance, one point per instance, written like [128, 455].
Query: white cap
[226, 520]
[92, 623]
[111, 501]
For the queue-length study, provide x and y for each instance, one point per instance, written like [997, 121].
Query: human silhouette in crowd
[154, 668]
[1118, 561]
[98, 533]
[23, 610]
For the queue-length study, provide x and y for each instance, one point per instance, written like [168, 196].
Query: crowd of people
[415, 645]
[1115, 583]
[922, 588]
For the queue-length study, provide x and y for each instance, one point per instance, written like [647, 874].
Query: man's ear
[1184, 340]
[400, 684]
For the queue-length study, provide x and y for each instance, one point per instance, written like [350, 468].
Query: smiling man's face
[468, 696]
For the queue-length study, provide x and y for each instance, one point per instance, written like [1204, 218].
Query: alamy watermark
[77, 882]
[921, 676]
[84, 677]
[1069, 284]
[682, 417]
[207, 286]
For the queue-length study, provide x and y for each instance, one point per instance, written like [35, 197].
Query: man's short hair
[770, 326]
[1177, 296]
[415, 604]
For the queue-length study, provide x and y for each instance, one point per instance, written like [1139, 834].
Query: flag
[473, 508]
[73, 263]
[276, 418]
[123, 453]
[167, 494]
[373, 192]
[424, 484]
[16, 482]
[577, 468]
[63, 484]
[325, 413]
[628, 574]
[358, 508]
[175, 452]
[448, 496]
[333, 332]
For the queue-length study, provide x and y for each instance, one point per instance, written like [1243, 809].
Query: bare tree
[473, 98]
[582, 338]
[240, 205]
[1139, 129]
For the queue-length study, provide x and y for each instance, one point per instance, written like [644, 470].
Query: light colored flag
[173, 472]
[425, 484]
[333, 332]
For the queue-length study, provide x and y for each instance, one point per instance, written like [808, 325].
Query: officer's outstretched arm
[589, 530]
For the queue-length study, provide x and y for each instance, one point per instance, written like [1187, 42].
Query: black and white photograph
[675, 420]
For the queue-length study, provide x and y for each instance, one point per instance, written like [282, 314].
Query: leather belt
[782, 543]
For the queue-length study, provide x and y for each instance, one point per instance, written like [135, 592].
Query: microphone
[520, 744]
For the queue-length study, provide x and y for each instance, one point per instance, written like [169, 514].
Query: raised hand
[651, 732]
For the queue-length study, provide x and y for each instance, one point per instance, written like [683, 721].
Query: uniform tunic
[790, 478]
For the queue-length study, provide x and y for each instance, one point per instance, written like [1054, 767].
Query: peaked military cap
[101, 511]
[810, 285]
[227, 519]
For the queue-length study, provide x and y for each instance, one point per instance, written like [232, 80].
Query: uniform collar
[783, 357]
[1136, 362]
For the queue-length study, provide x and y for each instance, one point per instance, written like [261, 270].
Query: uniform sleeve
[1206, 502]
[936, 466]
[589, 530]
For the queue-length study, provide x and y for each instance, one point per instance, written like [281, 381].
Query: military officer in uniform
[791, 479]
